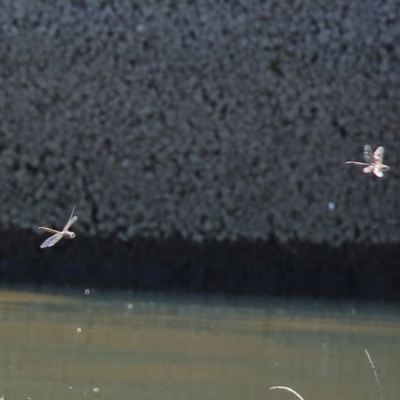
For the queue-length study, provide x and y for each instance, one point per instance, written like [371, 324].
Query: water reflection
[114, 345]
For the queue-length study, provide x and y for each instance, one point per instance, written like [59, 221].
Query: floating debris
[288, 389]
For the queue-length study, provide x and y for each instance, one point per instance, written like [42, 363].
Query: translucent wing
[378, 172]
[72, 219]
[378, 155]
[51, 241]
[70, 222]
[368, 169]
[368, 154]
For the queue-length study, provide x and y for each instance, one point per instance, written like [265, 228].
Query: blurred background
[203, 145]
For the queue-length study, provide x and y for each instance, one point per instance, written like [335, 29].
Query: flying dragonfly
[52, 240]
[373, 161]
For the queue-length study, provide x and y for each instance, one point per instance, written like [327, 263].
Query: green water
[118, 346]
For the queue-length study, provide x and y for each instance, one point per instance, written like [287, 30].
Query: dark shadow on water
[257, 268]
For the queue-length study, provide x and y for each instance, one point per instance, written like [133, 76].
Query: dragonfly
[373, 161]
[57, 235]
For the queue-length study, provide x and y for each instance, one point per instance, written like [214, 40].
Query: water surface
[68, 345]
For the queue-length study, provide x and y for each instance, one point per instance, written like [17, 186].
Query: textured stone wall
[208, 119]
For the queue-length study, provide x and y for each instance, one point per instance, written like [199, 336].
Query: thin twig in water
[376, 375]
[288, 389]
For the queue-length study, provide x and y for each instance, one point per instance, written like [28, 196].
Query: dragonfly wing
[368, 154]
[71, 220]
[378, 154]
[51, 241]
[368, 169]
[378, 172]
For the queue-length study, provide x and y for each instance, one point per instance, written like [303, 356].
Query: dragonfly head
[69, 235]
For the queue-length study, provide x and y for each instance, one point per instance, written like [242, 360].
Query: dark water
[117, 346]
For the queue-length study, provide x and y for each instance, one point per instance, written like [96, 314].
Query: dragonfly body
[57, 235]
[373, 161]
